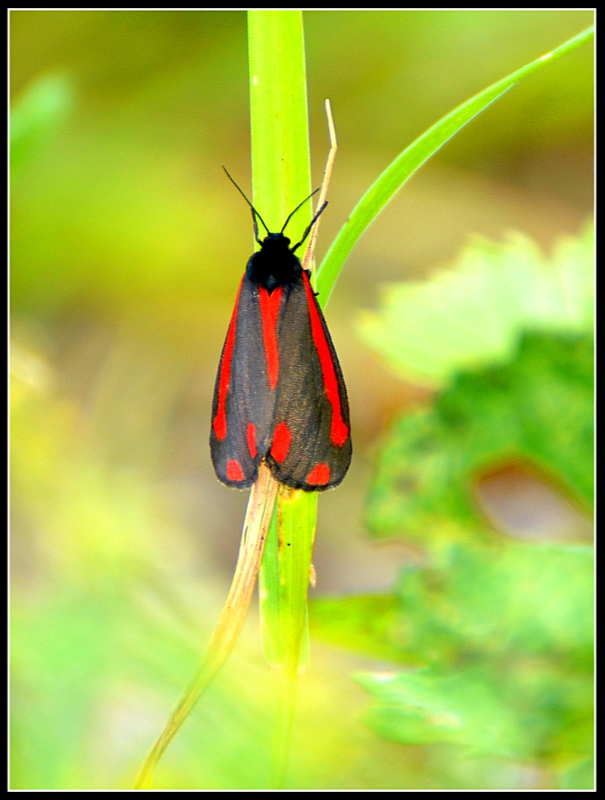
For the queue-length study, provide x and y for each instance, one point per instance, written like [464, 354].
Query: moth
[280, 395]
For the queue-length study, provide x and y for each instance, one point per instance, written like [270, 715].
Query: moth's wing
[243, 405]
[311, 441]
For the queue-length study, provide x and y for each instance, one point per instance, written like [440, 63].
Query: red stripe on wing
[220, 420]
[251, 439]
[269, 311]
[339, 430]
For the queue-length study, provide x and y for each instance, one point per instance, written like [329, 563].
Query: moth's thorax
[274, 264]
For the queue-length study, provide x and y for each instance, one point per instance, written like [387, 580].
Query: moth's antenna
[255, 213]
[296, 209]
[310, 225]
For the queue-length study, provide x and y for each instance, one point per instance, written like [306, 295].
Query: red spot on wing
[220, 420]
[281, 442]
[339, 430]
[269, 310]
[251, 439]
[319, 475]
[234, 471]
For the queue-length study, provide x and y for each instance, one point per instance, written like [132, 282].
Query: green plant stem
[288, 686]
[281, 166]
[281, 179]
[284, 583]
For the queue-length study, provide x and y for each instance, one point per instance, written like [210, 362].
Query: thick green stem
[281, 179]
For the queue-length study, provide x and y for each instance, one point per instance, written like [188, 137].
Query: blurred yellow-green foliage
[127, 244]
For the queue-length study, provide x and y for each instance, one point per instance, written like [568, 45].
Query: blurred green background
[127, 245]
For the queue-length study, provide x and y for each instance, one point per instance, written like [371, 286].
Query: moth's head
[275, 242]
[274, 264]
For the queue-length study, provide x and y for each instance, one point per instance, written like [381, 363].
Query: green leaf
[502, 628]
[427, 706]
[511, 713]
[538, 410]
[506, 634]
[413, 157]
[500, 602]
[366, 624]
[473, 314]
[503, 601]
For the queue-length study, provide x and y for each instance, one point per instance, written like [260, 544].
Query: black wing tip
[305, 487]
[309, 487]
[220, 472]
[285, 481]
[291, 483]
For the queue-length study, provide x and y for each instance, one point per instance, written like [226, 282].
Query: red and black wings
[280, 393]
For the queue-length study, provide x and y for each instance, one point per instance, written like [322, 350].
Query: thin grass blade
[228, 628]
[414, 156]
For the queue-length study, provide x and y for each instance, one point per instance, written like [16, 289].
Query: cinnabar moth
[279, 393]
